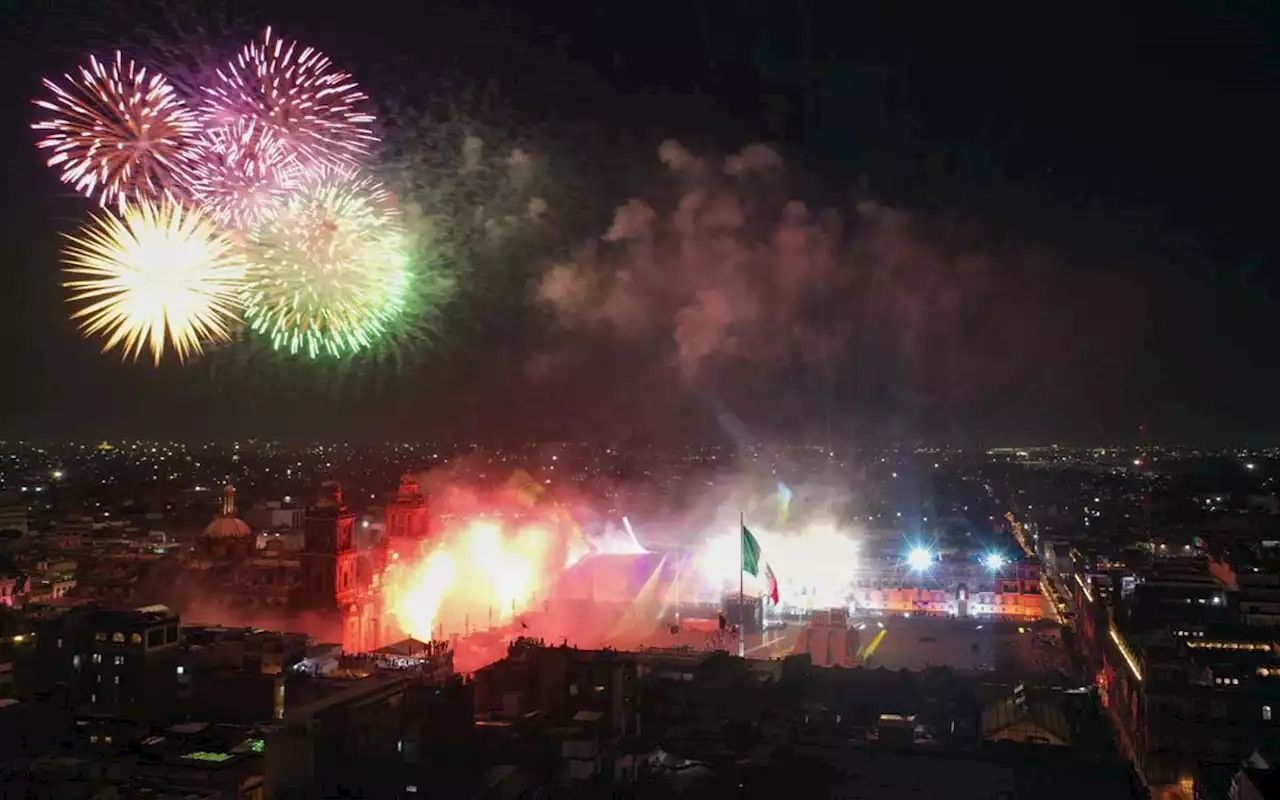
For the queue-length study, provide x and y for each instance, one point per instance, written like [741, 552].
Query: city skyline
[638, 400]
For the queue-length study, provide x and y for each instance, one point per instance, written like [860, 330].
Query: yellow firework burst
[163, 276]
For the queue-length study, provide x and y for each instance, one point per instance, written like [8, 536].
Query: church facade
[331, 587]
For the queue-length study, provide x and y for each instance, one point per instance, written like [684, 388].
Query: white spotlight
[994, 561]
[919, 559]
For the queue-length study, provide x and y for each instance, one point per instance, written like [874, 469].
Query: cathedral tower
[332, 582]
[407, 515]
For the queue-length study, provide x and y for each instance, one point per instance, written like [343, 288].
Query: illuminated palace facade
[949, 587]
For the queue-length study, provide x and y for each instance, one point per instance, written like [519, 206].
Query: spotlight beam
[920, 558]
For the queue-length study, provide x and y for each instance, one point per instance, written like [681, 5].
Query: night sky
[1051, 229]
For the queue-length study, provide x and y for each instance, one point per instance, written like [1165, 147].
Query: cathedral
[226, 568]
[331, 586]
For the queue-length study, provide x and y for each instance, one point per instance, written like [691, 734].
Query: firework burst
[241, 172]
[329, 271]
[120, 132]
[163, 276]
[297, 96]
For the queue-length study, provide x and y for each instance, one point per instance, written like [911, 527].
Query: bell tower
[407, 515]
[328, 554]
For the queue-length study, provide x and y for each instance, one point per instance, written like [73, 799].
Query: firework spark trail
[298, 97]
[163, 276]
[241, 172]
[120, 134]
[330, 274]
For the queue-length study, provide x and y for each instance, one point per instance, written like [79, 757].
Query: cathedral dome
[228, 525]
[227, 528]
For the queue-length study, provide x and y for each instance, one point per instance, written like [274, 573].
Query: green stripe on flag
[750, 553]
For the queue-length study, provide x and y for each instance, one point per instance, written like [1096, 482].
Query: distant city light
[1249, 466]
[57, 473]
[919, 558]
[994, 561]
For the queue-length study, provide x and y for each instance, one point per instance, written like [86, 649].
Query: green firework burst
[331, 274]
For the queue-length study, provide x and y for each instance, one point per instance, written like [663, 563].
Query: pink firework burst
[120, 132]
[297, 96]
[241, 172]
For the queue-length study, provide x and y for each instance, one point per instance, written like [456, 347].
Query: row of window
[1254, 646]
[117, 637]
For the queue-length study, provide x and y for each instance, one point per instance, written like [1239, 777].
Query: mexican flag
[751, 563]
[750, 553]
[772, 580]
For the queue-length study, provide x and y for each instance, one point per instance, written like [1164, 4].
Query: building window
[117, 679]
[97, 658]
[1266, 713]
[59, 644]
[181, 670]
[99, 637]
[117, 637]
[136, 638]
[118, 660]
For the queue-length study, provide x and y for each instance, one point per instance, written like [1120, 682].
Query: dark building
[129, 668]
[1188, 685]
[712, 725]
[236, 696]
[387, 736]
[55, 654]
[35, 724]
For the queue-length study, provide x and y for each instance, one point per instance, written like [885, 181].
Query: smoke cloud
[724, 275]
[913, 312]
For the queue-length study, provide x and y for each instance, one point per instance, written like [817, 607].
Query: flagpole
[679, 575]
[742, 567]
